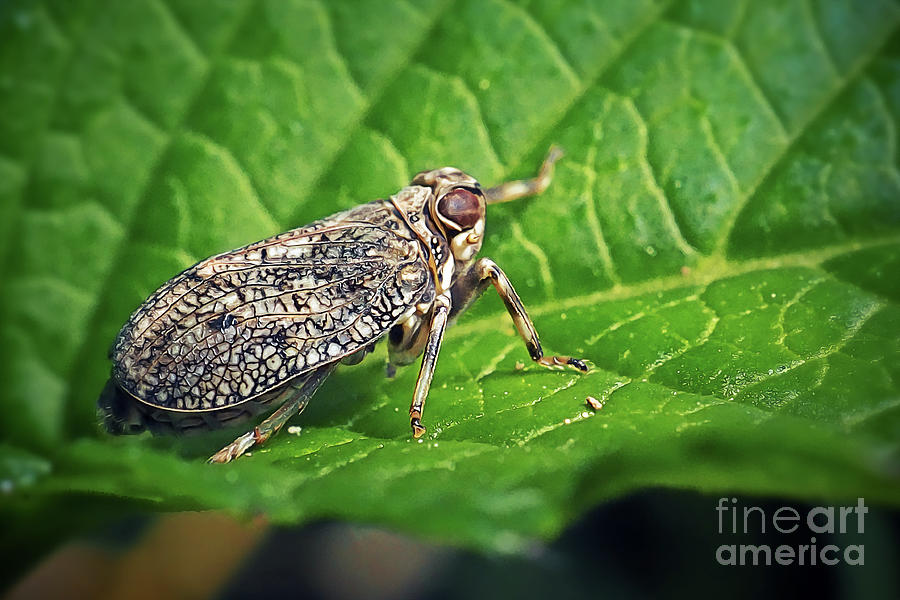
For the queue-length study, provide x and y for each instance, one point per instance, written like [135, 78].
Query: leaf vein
[593, 221]
[649, 172]
[627, 42]
[817, 111]
[535, 250]
[819, 37]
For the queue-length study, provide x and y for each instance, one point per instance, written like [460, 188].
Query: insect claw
[578, 364]
[418, 429]
[558, 362]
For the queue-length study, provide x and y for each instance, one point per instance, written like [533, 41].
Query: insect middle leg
[473, 283]
[296, 400]
[440, 315]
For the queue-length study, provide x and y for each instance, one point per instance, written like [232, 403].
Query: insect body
[262, 326]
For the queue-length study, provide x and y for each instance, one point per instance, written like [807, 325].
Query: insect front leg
[440, 314]
[473, 283]
[296, 399]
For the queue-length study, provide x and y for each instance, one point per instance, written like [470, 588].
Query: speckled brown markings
[267, 323]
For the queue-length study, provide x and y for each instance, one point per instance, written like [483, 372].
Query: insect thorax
[451, 247]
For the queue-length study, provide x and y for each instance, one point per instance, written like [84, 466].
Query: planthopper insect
[261, 327]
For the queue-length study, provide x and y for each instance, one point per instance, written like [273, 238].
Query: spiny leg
[473, 283]
[513, 190]
[429, 359]
[296, 400]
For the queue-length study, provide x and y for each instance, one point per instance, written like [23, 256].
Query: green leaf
[721, 240]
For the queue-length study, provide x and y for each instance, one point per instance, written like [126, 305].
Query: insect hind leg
[295, 400]
[513, 190]
[473, 283]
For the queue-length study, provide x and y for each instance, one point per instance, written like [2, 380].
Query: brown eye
[460, 207]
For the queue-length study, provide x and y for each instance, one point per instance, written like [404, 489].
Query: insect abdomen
[123, 414]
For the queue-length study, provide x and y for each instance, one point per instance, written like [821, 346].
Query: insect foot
[235, 448]
[416, 424]
[559, 362]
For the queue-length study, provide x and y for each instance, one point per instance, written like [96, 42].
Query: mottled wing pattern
[242, 323]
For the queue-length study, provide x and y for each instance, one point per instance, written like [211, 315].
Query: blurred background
[648, 545]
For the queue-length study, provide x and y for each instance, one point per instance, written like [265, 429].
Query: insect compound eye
[461, 207]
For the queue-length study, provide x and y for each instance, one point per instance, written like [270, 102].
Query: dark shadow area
[649, 545]
[654, 544]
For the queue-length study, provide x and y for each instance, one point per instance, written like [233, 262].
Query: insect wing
[239, 324]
